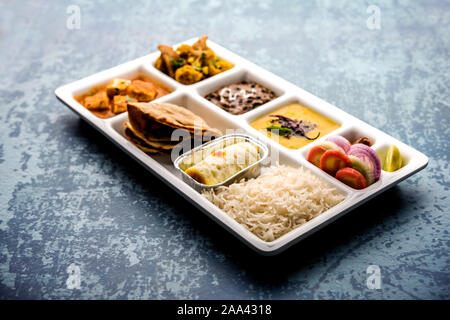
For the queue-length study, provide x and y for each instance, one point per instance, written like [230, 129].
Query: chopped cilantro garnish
[281, 131]
[177, 63]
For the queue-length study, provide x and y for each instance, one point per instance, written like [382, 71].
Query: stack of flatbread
[151, 126]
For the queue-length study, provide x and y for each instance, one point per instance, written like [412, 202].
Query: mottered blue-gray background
[70, 197]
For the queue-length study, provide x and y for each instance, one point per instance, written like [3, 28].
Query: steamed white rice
[276, 202]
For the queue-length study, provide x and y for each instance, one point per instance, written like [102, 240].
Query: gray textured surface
[68, 196]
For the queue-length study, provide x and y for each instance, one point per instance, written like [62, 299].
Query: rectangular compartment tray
[191, 97]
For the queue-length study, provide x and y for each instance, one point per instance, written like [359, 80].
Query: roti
[151, 126]
[139, 143]
[162, 145]
[169, 115]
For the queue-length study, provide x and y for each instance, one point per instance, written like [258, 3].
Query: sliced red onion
[365, 153]
[330, 145]
[364, 167]
[341, 142]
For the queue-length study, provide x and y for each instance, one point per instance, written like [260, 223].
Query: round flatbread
[161, 145]
[171, 115]
[140, 144]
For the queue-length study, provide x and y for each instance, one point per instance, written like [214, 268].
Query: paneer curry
[106, 101]
[190, 64]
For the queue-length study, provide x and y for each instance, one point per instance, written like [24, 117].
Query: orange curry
[106, 101]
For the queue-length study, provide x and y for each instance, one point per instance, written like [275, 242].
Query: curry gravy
[161, 90]
[298, 112]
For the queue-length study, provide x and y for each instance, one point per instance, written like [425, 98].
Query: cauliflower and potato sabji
[190, 64]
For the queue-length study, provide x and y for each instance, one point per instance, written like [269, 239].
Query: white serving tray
[191, 97]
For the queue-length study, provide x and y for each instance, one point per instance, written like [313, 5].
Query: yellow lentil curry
[294, 125]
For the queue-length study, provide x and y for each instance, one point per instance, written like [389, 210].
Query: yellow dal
[298, 112]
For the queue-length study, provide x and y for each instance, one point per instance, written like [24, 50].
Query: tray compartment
[126, 73]
[130, 74]
[243, 74]
[281, 102]
[381, 150]
[218, 50]
[352, 133]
